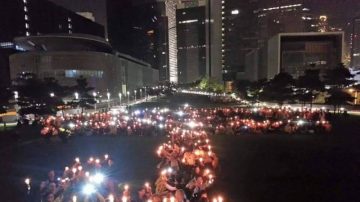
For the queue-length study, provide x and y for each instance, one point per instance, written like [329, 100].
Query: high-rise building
[36, 17]
[94, 10]
[170, 12]
[295, 52]
[191, 41]
[139, 29]
[240, 35]
[355, 44]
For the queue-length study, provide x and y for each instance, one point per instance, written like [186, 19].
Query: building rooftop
[63, 42]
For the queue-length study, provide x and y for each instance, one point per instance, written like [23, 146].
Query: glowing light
[111, 198]
[27, 181]
[192, 124]
[71, 125]
[98, 178]
[88, 189]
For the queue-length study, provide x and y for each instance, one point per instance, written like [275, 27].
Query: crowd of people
[187, 166]
[157, 121]
[186, 170]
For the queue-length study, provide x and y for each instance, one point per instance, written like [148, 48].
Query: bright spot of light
[98, 178]
[88, 189]
[192, 124]
[71, 125]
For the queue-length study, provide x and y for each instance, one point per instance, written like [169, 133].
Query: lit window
[26, 17]
[188, 21]
[25, 9]
[235, 12]
[26, 25]
[27, 33]
[25, 1]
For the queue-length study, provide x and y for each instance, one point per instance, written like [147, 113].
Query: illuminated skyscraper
[170, 7]
[355, 44]
[191, 40]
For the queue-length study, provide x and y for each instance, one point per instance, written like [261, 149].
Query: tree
[279, 89]
[5, 96]
[84, 99]
[339, 77]
[241, 87]
[211, 84]
[308, 86]
[35, 96]
[339, 97]
[254, 90]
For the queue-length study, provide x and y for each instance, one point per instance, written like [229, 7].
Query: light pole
[94, 94]
[135, 94]
[140, 93]
[108, 97]
[16, 97]
[77, 98]
[120, 97]
[76, 95]
[128, 96]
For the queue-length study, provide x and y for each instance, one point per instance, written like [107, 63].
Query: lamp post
[77, 98]
[140, 93]
[120, 97]
[108, 97]
[128, 96]
[135, 95]
[76, 94]
[94, 94]
[16, 97]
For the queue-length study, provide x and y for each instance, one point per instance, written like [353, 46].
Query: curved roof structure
[63, 42]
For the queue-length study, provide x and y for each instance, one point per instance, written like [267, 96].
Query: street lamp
[16, 95]
[120, 97]
[76, 95]
[52, 94]
[108, 97]
[128, 96]
[94, 94]
[135, 94]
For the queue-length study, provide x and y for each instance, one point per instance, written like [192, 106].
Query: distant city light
[235, 12]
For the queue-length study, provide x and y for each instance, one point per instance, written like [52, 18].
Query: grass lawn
[253, 168]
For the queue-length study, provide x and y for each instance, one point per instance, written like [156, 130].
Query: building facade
[67, 57]
[139, 29]
[191, 40]
[295, 52]
[355, 44]
[36, 17]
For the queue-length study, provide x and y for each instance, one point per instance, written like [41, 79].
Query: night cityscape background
[179, 100]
